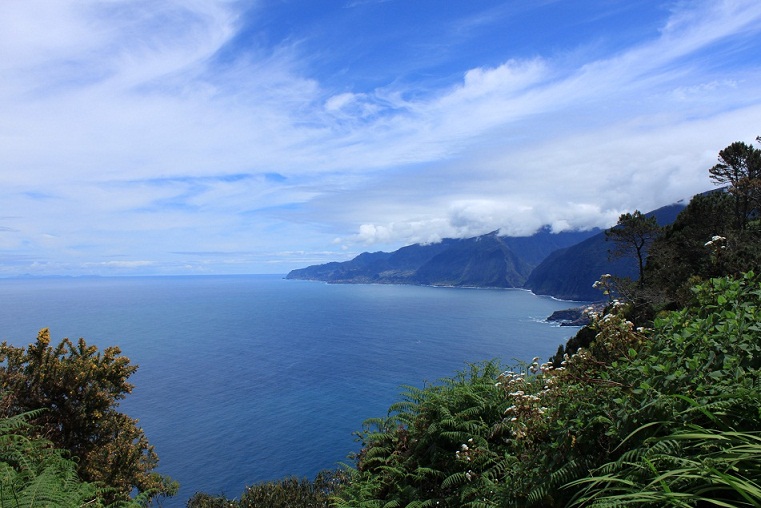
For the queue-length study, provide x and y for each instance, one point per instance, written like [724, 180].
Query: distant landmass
[488, 260]
[568, 274]
[563, 265]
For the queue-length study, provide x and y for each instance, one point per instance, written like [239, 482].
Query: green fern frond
[32, 473]
[478, 504]
[472, 411]
[403, 406]
[454, 480]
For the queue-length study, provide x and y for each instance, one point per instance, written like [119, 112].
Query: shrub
[33, 473]
[664, 416]
[79, 387]
[286, 493]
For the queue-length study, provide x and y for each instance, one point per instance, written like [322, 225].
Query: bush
[79, 387]
[671, 413]
[286, 493]
[33, 473]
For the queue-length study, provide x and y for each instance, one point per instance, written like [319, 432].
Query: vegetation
[739, 168]
[633, 235]
[658, 417]
[718, 234]
[79, 387]
[33, 473]
[288, 492]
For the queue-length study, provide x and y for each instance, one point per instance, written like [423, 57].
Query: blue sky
[203, 136]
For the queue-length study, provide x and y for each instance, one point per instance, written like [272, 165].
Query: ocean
[250, 378]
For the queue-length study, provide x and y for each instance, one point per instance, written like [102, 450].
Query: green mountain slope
[484, 261]
[569, 273]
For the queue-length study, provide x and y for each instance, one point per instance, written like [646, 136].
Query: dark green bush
[285, 493]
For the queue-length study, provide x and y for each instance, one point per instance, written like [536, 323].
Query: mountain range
[564, 265]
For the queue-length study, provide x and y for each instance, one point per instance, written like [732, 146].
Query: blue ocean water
[250, 378]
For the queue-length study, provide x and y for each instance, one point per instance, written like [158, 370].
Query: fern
[33, 473]
[574, 468]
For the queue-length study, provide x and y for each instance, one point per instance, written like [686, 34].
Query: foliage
[285, 493]
[739, 167]
[702, 243]
[80, 388]
[33, 473]
[676, 406]
[690, 466]
[681, 254]
[690, 406]
[633, 235]
[717, 234]
[434, 448]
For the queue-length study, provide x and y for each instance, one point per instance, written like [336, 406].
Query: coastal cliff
[562, 265]
[488, 260]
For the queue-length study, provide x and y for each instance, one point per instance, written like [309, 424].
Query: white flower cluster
[592, 312]
[614, 316]
[603, 282]
[717, 242]
[464, 453]
[525, 406]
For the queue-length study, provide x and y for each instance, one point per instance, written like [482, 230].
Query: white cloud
[120, 125]
[504, 80]
[419, 231]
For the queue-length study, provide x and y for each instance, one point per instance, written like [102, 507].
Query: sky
[181, 137]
